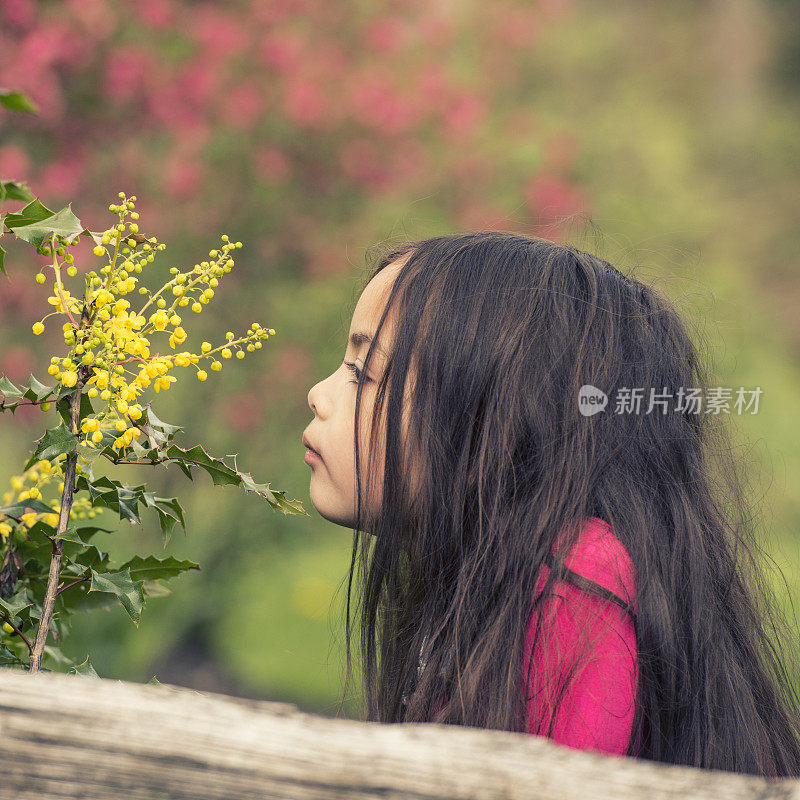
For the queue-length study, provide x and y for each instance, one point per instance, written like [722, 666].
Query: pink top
[597, 710]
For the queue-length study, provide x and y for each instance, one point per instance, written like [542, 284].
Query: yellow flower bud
[38, 327]
[201, 375]
[121, 425]
[97, 436]
[240, 354]
[99, 251]
[45, 406]
[216, 366]
[226, 353]
[69, 378]
[51, 519]
[205, 347]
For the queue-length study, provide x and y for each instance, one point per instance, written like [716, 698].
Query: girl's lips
[312, 457]
[315, 454]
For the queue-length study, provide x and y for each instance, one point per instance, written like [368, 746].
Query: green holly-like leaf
[84, 668]
[8, 389]
[21, 507]
[35, 223]
[33, 390]
[112, 494]
[152, 568]
[222, 474]
[17, 101]
[161, 431]
[8, 658]
[53, 655]
[14, 190]
[56, 441]
[81, 535]
[120, 584]
[155, 589]
[16, 603]
[36, 390]
[169, 512]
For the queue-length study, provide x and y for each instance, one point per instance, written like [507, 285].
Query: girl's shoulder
[600, 556]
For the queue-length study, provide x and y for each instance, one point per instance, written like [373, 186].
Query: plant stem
[70, 585]
[17, 631]
[58, 544]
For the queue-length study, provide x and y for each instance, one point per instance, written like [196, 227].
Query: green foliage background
[685, 122]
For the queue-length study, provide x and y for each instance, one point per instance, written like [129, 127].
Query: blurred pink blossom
[374, 101]
[216, 31]
[20, 13]
[61, 178]
[243, 106]
[283, 50]
[463, 114]
[386, 36]
[129, 72]
[199, 80]
[14, 162]
[361, 161]
[96, 18]
[181, 177]
[155, 13]
[272, 165]
[551, 199]
[243, 410]
[18, 363]
[304, 102]
[518, 27]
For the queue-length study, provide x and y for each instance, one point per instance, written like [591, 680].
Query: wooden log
[67, 736]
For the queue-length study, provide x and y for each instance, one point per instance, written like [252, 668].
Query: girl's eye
[356, 371]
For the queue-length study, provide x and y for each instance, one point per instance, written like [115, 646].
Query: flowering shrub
[50, 565]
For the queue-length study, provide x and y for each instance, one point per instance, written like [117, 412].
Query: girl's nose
[315, 399]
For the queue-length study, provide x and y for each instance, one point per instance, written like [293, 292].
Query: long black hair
[495, 334]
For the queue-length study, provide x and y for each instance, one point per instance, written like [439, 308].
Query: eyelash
[356, 371]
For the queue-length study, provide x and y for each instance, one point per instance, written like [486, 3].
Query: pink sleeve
[596, 638]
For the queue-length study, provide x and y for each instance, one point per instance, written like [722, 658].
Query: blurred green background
[664, 137]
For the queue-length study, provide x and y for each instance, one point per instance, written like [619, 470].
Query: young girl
[582, 572]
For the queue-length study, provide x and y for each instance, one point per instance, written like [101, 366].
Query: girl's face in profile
[333, 401]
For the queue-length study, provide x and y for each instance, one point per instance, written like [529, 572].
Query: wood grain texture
[83, 737]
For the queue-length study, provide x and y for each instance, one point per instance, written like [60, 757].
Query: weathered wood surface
[82, 737]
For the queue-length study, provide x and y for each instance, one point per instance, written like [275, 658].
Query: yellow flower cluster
[31, 484]
[110, 345]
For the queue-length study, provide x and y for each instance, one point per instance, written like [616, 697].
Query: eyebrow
[359, 338]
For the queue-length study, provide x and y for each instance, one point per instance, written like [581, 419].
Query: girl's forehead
[370, 306]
